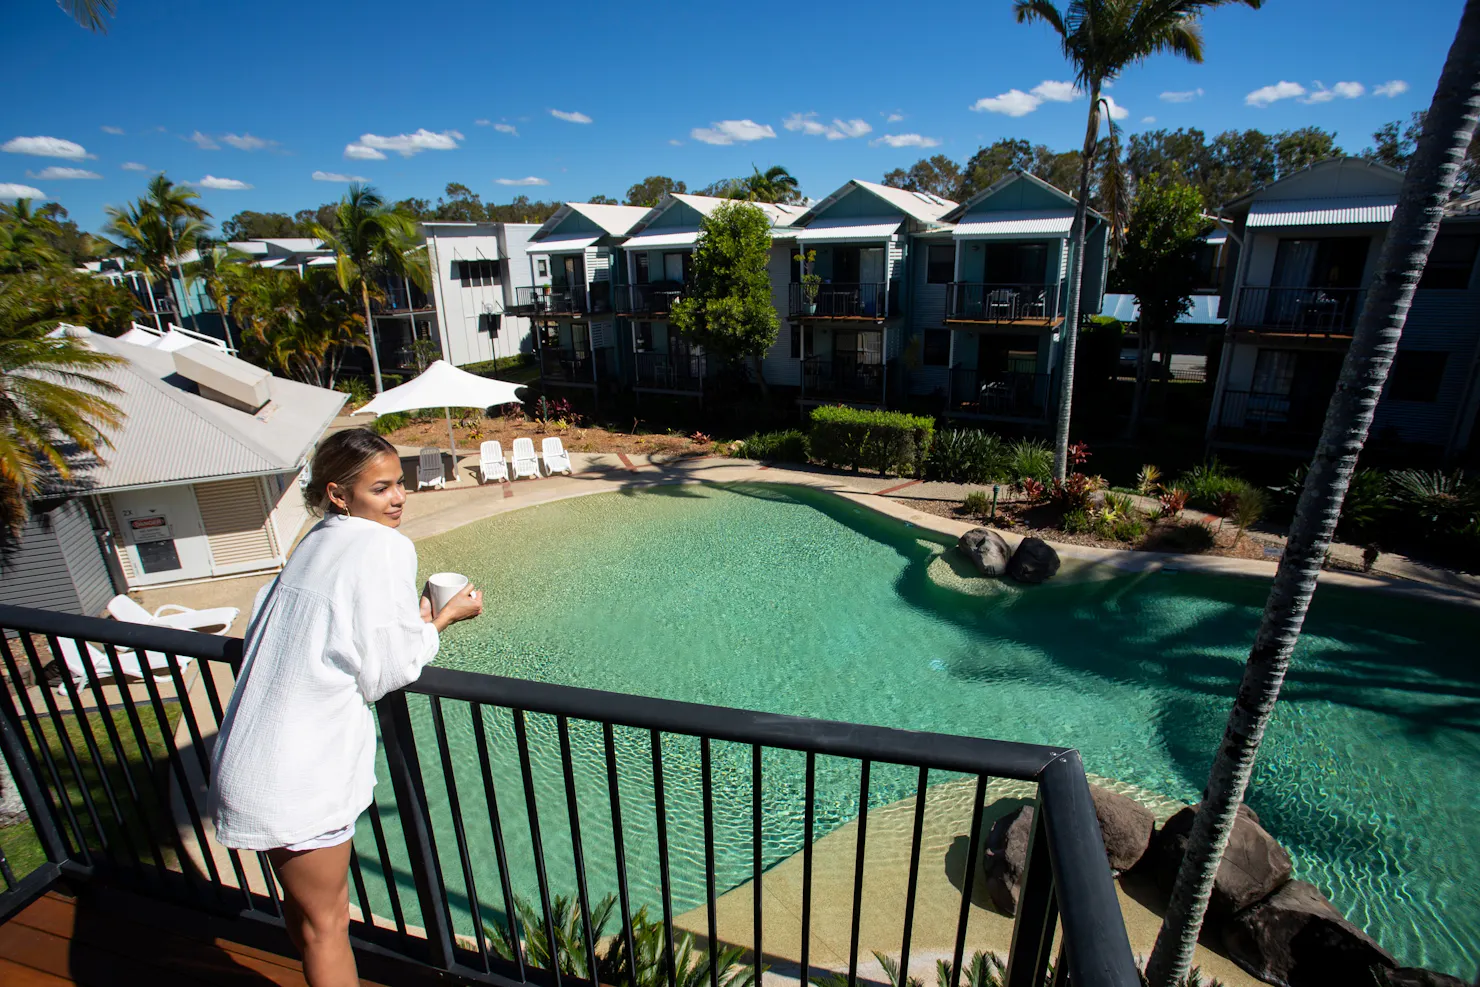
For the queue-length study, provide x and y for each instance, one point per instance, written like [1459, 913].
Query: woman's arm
[394, 643]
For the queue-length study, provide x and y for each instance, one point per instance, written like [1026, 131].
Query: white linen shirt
[336, 630]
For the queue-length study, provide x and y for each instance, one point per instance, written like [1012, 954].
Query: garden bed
[470, 432]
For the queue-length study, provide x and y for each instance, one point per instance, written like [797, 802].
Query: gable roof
[616, 220]
[1017, 175]
[1330, 164]
[921, 206]
[611, 220]
[779, 216]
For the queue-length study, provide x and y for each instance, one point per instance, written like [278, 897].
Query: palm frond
[89, 13]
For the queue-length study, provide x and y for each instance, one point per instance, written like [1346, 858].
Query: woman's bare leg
[316, 909]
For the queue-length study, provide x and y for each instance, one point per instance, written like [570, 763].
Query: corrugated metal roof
[1334, 211]
[1018, 222]
[825, 230]
[614, 219]
[921, 205]
[663, 238]
[560, 243]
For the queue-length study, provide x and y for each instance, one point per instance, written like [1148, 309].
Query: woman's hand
[465, 605]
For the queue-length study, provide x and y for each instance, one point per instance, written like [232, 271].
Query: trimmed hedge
[499, 363]
[778, 447]
[887, 441]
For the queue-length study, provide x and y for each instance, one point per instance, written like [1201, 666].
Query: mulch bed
[433, 432]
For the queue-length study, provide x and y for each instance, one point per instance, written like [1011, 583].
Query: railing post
[17, 755]
[1037, 911]
[416, 822]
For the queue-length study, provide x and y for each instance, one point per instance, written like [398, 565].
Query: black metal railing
[832, 300]
[647, 299]
[572, 366]
[844, 377]
[550, 300]
[988, 302]
[1304, 311]
[1010, 394]
[669, 372]
[1271, 418]
[504, 790]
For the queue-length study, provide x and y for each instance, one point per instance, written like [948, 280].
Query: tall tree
[144, 243]
[1101, 38]
[1438, 156]
[603, 200]
[249, 225]
[1395, 142]
[991, 163]
[25, 239]
[368, 240]
[937, 175]
[775, 184]
[183, 219]
[729, 311]
[462, 205]
[647, 192]
[89, 13]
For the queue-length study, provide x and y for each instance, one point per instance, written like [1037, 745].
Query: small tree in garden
[729, 310]
[1159, 266]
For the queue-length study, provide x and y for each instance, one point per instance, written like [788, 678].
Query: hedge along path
[886, 441]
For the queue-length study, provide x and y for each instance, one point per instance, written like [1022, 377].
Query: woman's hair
[340, 459]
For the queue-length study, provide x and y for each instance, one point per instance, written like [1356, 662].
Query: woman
[340, 627]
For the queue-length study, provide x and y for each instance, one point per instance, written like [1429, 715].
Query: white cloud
[1055, 92]
[246, 142]
[894, 117]
[573, 116]
[334, 176]
[133, 166]
[730, 131]
[203, 142]
[10, 190]
[371, 147]
[482, 123]
[838, 130]
[1342, 90]
[115, 131]
[1397, 87]
[1182, 96]
[506, 128]
[675, 142]
[531, 180]
[224, 184]
[1117, 112]
[56, 172]
[1265, 95]
[46, 147]
[1014, 103]
[905, 140]
[1148, 119]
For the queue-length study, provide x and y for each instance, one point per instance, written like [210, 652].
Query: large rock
[1126, 826]
[1412, 976]
[1296, 938]
[1033, 562]
[986, 550]
[1253, 866]
[1006, 856]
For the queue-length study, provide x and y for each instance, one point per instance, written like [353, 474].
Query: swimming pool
[790, 600]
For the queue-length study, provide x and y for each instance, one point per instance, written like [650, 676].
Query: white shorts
[332, 838]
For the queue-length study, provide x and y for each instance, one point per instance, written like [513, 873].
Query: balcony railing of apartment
[1300, 311]
[1008, 394]
[462, 835]
[832, 300]
[670, 372]
[1022, 303]
[647, 299]
[844, 378]
[549, 300]
[1270, 418]
[571, 366]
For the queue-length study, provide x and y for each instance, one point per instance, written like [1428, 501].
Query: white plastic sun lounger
[491, 463]
[216, 620]
[526, 463]
[557, 460]
[429, 472]
[98, 664]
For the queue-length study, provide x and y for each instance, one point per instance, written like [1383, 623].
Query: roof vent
[224, 379]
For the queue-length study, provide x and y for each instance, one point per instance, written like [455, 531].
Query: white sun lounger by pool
[216, 620]
[526, 463]
[98, 664]
[556, 458]
[491, 462]
[429, 472]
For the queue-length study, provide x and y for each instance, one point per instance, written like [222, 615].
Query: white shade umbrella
[443, 386]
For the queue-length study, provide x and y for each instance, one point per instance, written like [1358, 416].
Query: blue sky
[252, 102]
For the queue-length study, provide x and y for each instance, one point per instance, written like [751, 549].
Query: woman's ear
[335, 495]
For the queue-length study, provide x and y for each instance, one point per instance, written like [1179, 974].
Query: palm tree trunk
[1448, 128]
[370, 331]
[180, 295]
[1076, 278]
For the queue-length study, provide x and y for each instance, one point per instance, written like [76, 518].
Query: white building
[477, 269]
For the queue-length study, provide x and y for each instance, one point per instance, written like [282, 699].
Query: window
[543, 266]
[640, 269]
[643, 337]
[801, 341]
[489, 322]
[1417, 375]
[1450, 262]
[937, 348]
[475, 273]
[940, 263]
[678, 267]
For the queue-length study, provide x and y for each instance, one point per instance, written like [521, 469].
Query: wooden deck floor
[105, 937]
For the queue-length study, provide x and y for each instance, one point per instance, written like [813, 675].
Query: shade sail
[442, 386]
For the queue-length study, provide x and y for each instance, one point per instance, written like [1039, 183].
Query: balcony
[550, 300]
[872, 302]
[1269, 419]
[846, 379]
[646, 300]
[1033, 305]
[1309, 311]
[668, 373]
[1008, 395]
[572, 367]
[496, 790]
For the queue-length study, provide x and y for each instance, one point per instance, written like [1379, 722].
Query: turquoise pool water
[792, 601]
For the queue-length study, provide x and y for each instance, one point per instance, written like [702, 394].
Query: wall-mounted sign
[146, 529]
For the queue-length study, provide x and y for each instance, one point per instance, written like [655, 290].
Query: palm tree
[89, 13]
[1101, 38]
[26, 238]
[183, 220]
[775, 184]
[369, 239]
[1440, 152]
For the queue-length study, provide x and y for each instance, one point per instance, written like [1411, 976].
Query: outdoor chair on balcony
[491, 462]
[429, 472]
[526, 463]
[557, 460]
[97, 665]
[216, 620]
[1002, 303]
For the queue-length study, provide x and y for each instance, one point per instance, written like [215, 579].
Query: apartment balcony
[550, 300]
[832, 301]
[1008, 395]
[1308, 311]
[573, 367]
[989, 303]
[843, 379]
[1269, 419]
[668, 373]
[646, 300]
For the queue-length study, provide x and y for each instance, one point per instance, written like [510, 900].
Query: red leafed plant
[699, 438]
[1078, 454]
[1072, 493]
[1033, 491]
[1172, 501]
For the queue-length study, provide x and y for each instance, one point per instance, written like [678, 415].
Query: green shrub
[1128, 530]
[887, 441]
[1119, 503]
[499, 363]
[969, 456]
[386, 424]
[781, 447]
[1187, 538]
[1077, 522]
[357, 388]
[1248, 508]
[1031, 458]
[1212, 487]
[978, 503]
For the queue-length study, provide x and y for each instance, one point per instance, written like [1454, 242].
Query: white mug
[444, 586]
